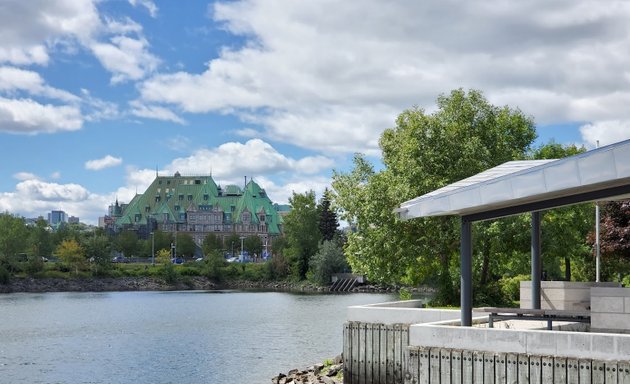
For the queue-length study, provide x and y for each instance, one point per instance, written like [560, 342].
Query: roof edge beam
[550, 203]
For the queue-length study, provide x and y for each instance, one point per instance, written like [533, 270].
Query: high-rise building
[57, 217]
[198, 206]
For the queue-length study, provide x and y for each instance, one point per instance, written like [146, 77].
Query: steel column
[466, 274]
[536, 264]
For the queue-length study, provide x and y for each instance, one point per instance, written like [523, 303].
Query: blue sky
[95, 95]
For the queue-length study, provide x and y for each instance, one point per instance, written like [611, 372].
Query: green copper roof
[168, 198]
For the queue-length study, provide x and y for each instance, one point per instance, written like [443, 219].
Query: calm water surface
[168, 337]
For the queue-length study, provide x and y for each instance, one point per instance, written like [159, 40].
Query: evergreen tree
[328, 222]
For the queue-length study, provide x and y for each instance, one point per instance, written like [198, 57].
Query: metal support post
[536, 264]
[466, 273]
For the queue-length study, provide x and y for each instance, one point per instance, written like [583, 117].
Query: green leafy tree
[41, 239]
[213, 265]
[98, 252]
[253, 245]
[72, 254]
[186, 246]
[234, 243]
[328, 260]
[13, 233]
[127, 243]
[212, 243]
[301, 231]
[464, 136]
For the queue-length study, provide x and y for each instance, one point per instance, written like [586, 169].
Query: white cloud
[14, 79]
[606, 132]
[127, 58]
[31, 117]
[178, 143]
[33, 198]
[55, 175]
[148, 4]
[105, 162]
[155, 112]
[254, 157]
[22, 176]
[40, 190]
[29, 29]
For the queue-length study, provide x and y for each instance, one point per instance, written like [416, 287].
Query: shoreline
[144, 283]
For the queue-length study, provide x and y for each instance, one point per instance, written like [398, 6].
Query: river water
[168, 337]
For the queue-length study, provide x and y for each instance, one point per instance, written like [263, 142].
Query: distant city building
[198, 206]
[57, 217]
[73, 220]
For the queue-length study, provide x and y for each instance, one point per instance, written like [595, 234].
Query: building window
[147, 209]
[262, 218]
[157, 199]
[138, 217]
[181, 197]
[177, 207]
[245, 218]
[205, 197]
[189, 197]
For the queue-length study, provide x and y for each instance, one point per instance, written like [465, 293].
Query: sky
[96, 96]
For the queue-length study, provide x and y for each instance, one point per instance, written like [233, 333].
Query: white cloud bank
[331, 76]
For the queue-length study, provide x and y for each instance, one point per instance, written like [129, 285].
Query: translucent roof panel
[517, 183]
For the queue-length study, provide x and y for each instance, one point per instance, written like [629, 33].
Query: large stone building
[198, 206]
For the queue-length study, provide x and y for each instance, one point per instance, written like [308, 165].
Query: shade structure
[524, 186]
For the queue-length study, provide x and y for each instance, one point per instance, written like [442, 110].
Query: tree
[98, 251]
[13, 232]
[127, 243]
[253, 245]
[464, 136]
[234, 242]
[41, 239]
[328, 223]
[186, 246]
[211, 243]
[72, 254]
[614, 239]
[301, 231]
[329, 259]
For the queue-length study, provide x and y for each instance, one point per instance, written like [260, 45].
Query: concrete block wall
[610, 310]
[561, 295]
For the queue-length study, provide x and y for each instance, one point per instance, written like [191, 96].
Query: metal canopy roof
[524, 186]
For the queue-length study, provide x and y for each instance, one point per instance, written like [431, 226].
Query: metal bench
[548, 315]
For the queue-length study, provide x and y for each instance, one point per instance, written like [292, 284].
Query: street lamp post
[242, 257]
[232, 249]
[152, 248]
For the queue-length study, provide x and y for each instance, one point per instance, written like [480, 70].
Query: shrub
[511, 286]
[5, 276]
[329, 259]
[168, 273]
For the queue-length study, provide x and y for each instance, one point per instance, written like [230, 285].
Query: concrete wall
[561, 295]
[401, 312]
[577, 345]
[610, 309]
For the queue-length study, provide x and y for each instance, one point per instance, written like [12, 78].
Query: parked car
[120, 259]
[177, 260]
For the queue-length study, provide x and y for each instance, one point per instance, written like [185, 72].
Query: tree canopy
[423, 152]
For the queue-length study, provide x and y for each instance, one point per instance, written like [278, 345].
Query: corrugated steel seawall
[380, 354]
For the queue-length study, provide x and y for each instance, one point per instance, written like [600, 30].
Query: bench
[548, 315]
